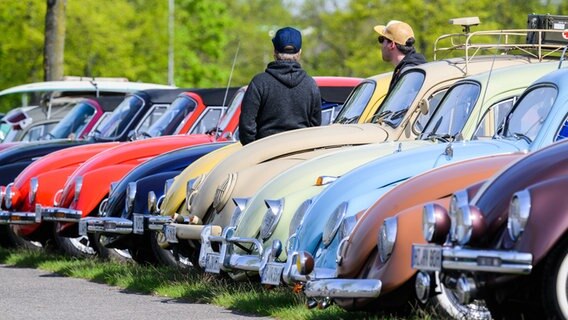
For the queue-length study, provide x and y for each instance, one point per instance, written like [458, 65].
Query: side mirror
[132, 135]
[424, 106]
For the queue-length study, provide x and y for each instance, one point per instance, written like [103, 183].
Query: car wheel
[110, 254]
[171, 256]
[555, 291]
[79, 247]
[448, 303]
[10, 239]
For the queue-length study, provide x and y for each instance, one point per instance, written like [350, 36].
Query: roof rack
[528, 42]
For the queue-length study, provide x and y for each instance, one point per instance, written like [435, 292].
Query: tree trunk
[54, 40]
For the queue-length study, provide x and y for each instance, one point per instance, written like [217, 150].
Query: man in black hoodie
[283, 97]
[397, 47]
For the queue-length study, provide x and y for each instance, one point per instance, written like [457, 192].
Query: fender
[548, 221]
[175, 196]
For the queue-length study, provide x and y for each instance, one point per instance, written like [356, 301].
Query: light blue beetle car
[534, 122]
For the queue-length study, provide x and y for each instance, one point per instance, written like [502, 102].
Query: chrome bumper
[4, 217]
[58, 214]
[108, 225]
[458, 258]
[14, 217]
[343, 288]
[487, 260]
[156, 223]
[22, 218]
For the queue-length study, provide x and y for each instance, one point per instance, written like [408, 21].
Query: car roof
[83, 86]
[108, 103]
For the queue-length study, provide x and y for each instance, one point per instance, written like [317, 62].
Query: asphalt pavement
[36, 294]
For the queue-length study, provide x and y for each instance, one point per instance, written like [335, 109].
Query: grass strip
[188, 285]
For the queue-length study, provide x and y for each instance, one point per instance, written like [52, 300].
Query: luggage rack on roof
[506, 41]
[528, 42]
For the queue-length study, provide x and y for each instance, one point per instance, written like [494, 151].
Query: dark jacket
[282, 98]
[412, 58]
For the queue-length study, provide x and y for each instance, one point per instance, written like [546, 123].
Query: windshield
[120, 117]
[526, 119]
[398, 101]
[233, 107]
[175, 114]
[452, 113]
[72, 125]
[356, 103]
[493, 118]
[4, 130]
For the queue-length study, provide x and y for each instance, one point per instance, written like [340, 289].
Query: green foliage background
[129, 38]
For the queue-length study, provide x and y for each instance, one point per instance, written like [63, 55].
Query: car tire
[79, 247]
[9, 239]
[447, 303]
[169, 257]
[109, 254]
[555, 281]
[141, 251]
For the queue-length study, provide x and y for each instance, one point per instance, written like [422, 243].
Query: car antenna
[562, 57]
[487, 83]
[227, 90]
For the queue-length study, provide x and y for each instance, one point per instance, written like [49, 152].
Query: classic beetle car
[44, 104]
[532, 124]
[505, 245]
[134, 107]
[130, 196]
[186, 109]
[398, 118]
[466, 104]
[117, 213]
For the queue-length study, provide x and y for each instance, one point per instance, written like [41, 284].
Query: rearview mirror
[424, 106]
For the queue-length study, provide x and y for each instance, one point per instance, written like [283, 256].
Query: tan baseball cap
[396, 31]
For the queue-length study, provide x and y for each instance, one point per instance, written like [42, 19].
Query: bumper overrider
[226, 259]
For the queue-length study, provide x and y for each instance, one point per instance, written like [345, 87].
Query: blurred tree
[54, 44]
[129, 38]
[251, 27]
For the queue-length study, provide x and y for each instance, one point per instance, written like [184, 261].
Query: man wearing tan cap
[397, 47]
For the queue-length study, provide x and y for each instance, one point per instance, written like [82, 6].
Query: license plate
[82, 227]
[427, 257]
[212, 263]
[170, 232]
[272, 273]
[138, 224]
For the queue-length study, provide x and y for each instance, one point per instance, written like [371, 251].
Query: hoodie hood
[289, 73]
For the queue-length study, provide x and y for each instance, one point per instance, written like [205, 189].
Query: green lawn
[194, 286]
